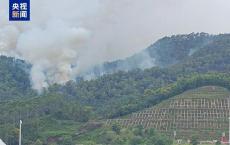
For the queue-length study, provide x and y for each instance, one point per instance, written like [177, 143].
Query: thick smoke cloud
[65, 38]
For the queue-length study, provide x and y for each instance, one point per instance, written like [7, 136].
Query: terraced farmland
[202, 111]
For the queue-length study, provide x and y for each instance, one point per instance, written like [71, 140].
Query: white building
[2, 143]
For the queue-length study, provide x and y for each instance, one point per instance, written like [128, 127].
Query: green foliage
[37, 142]
[122, 93]
[67, 141]
[62, 109]
[14, 79]
[194, 140]
[116, 128]
[131, 136]
[174, 49]
[218, 143]
[136, 140]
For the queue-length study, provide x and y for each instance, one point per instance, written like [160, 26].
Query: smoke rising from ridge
[65, 38]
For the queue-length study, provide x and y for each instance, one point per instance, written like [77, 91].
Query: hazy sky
[87, 32]
[122, 27]
[131, 25]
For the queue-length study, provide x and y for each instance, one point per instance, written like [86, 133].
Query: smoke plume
[65, 38]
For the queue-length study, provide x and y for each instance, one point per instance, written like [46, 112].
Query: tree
[136, 140]
[194, 140]
[67, 141]
[38, 142]
[116, 128]
[218, 143]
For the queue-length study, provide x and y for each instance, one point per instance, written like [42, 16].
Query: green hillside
[202, 112]
[73, 112]
[14, 79]
[206, 92]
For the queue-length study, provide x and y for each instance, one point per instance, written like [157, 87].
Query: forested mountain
[164, 52]
[184, 62]
[14, 78]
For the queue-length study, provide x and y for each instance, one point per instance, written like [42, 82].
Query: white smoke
[65, 38]
[53, 51]
[2, 143]
[53, 42]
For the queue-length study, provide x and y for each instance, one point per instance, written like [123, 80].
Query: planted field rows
[180, 114]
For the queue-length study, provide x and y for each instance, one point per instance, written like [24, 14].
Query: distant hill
[164, 52]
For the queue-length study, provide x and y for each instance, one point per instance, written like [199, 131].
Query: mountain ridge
[161, 54]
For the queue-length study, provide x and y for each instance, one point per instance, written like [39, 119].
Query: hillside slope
[62, 110]
[202, 111]
[164, 52]
[14, 79]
